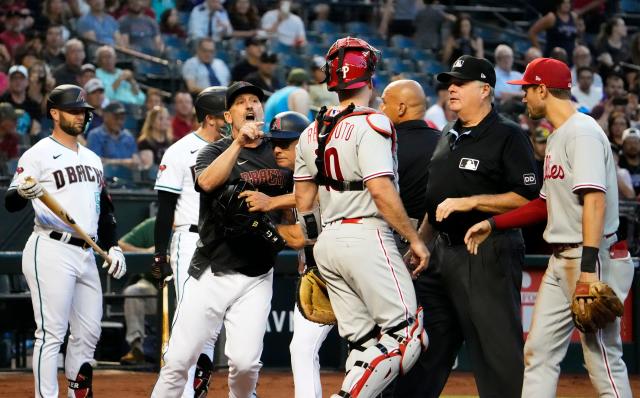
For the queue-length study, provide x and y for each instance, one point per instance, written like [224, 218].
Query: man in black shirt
[238, 288]
[483, 165]
[254, 47]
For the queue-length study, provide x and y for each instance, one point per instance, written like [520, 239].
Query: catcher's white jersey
[360, 148]
[176, 174]
[70, 178]
[578, 156]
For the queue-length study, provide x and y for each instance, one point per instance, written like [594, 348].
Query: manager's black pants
[475, 299]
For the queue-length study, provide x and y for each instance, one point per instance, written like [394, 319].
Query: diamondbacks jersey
[360, 147]
[578, 156]
[177, 174]
[75, 180]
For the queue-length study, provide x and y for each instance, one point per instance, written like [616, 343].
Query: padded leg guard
[202, 376]
[81, 386]
[412, 345]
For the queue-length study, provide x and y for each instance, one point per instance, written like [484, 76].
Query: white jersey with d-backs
[70, 177]
[573, 161]
[176, 174]
[358, 149]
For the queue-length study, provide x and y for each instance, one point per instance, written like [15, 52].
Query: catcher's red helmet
[350, 64]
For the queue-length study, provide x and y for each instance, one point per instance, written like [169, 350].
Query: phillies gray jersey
[578, 157]
[359, 148]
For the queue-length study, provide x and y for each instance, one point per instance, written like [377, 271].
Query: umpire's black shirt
[249, 254]
[416, 143]
[491, 158]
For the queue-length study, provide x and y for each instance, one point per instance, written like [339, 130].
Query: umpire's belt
[451, 239]
[67, 238]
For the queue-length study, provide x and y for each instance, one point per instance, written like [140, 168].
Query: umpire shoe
[134, 357]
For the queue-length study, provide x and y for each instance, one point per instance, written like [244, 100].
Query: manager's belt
[193, 228]
[72, 240]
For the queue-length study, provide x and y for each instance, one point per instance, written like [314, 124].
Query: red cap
[548, 71]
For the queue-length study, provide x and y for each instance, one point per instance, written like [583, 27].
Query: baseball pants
[65, 293]
[552, 326]
[135, 309]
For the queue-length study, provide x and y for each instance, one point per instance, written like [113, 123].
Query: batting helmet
[288, 125]
[350, 63]
[210, 101]
[67, 97]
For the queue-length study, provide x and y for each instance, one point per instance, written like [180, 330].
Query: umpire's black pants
[475, 299]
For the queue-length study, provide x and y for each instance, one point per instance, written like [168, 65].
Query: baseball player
[579, 200]
[178, 207]
[60, 267]
[230, 277]
[347, 157]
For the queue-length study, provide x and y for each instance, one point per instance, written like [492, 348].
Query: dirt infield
[273, 384]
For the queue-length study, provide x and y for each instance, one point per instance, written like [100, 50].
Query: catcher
[589, 274]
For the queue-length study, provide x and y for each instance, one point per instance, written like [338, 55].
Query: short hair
[345, 95]
[71, 43]
[502, 50]
[104, 50]
[560, 93]
[207, 39]
[584, 68]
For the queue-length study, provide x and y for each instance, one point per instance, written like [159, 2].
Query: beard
[70, 128]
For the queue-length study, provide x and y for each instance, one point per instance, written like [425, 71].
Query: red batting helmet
[350, 64]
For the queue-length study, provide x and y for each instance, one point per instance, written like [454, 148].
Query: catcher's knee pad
[413, 344]
[81, 386]
[202, 376]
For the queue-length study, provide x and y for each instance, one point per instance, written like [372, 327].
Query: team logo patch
[469, 164]
[458, 63]
[19, 170]
[529, 179]
[161, 168]
[277, 124]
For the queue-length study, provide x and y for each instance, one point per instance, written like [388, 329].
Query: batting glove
[118, 266]
[161, 270]
[30, 189]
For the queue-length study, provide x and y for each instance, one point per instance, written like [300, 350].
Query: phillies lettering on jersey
[552, 171]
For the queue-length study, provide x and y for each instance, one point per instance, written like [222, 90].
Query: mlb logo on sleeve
[469, 164]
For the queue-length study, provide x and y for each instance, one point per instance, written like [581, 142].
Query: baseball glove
[601, 306]
[313, 299]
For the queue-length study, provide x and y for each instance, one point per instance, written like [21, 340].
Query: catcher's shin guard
[202, 377]
[412, 345]
[81, 386]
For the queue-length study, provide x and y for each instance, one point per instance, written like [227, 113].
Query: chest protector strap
[324, 127]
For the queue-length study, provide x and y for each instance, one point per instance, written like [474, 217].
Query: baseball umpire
[231, 272]
[60, 267]
[347, 157]
[589, 275]
[178, 208]
[483, 165]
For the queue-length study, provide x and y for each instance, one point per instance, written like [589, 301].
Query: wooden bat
[165, 321]
[59, 211]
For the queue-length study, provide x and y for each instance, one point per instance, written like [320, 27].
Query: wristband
[492, 223]
[589, 259]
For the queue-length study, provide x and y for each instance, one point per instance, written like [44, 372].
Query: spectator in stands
[293, 97]
[625, 182]
[184, 120]
[610, 45]
[17, 96]
[98, 25]
[253, 49]
[531, 54]
[634, 49]
[140, 31]
[52, 52]
[615, 96]
[617, 123]
[319, 95]
[586, 94]
[12, 36]
[211, 20]
[8, 137]
[429, 22]
[70, 71]
[265, 77]
[41, 82]
[285, 26]
[155, 137]
[115, 145]
[87, 72]
[124, 10]
[630, 156]
[582, 58]
[436, 112]
[120, 84]
[559, 26]
[504, 72]
[170, 24]
[57, 12]
[244, 18]
[462, 41]
[398, 18]
[204, 69]
[95, 97]
[140, 239]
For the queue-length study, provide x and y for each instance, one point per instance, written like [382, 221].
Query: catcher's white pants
[552, 326]
[183, 245]
[239, 301]
[305, 363]
[65, 292]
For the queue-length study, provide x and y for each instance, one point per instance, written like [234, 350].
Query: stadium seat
[316, 49]
[293, 61]
[403, 42]
[173, 41]
[183, 17]
[391, 52]
[151, 69]
[396, 65]
[359, 29]
[322, 26]
[422, 55]
[630, 6]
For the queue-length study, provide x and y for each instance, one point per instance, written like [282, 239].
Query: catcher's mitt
[601, 306]
[313, 299]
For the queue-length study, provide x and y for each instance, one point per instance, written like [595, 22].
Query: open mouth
[250, 117]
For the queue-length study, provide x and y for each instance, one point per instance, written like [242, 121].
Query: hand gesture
[476, 235]
[161, 270]
[256, 201]
[417, 258]
[118, 266]
[451, 205]
[249, 133]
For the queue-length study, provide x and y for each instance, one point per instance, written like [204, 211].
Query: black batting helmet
[210, 101]
[288, 125]
[66, 97]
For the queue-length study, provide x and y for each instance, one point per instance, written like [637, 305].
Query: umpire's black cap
[241, 87]
[468, 67]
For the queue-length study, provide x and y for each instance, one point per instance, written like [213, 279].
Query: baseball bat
[165, 320]
[59, 211]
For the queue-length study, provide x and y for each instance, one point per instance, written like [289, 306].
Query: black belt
[72, 241]
[451, 239]
[193, 228]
